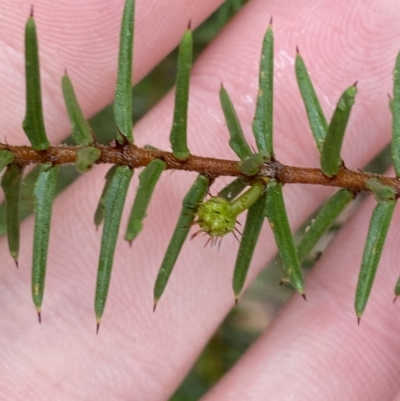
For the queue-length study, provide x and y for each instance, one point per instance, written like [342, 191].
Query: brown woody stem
[133, 156]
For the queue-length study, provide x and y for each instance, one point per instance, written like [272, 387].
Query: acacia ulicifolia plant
[256, 187]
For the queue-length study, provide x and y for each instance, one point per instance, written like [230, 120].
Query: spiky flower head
[215, 217]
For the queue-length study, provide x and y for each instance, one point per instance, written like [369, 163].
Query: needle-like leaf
[324, 219]
[397, 290]
[251, 232]
[99, 214]
[263, 120]
[11, 184]
[148, 179]
[395, 108]
[237, 142]
[178, 135]
[316, 118]
[378, 229]
[33, 123]
[278, 220]
[44, 192]
[189, 205]
[81, 132]
[330, 155]
[6, 157]
[113, 205]
[123, 90]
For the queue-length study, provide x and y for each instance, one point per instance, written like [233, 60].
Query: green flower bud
[215, 217]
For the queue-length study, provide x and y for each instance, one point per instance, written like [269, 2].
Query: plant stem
[128, 154]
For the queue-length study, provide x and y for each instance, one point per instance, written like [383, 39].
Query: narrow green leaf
[113, 205]
[237, 142]
[233, 189]
[123, 90]
[381, 191]
[251, 165]
[278, 220]
[263, 120]
[378, 229]
[397, 290]
[81, 132]
[148, 179]
[26, 200]
[320, 224]
[86, 157]
[6, 157]
[99, 214]
[178, 137]
[189, 204]
[44, 192]
[252, 228]
[33, 124]
[11, 184]
[330, 155]
[316, 118]
[395, 108]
